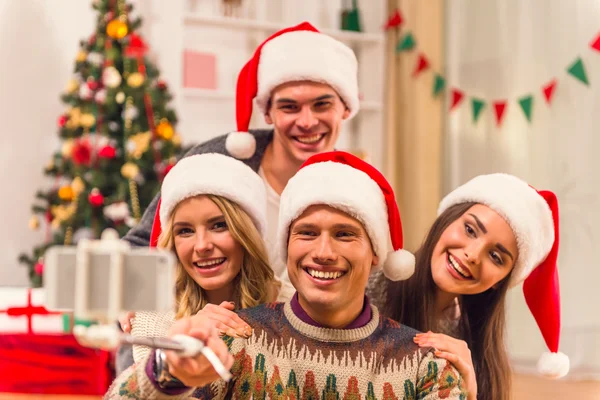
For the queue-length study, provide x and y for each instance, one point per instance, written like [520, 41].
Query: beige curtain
[414, 118]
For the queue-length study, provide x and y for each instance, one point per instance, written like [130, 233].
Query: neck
[333, 318]
[218, 296]
[278, 167]
[443, 300]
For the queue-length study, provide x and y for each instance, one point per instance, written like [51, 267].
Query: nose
[473, 252]
[323, 252]
[307, 119]
[203, 242]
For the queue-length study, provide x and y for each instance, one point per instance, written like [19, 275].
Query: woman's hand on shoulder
[224, 319]
[455, 351]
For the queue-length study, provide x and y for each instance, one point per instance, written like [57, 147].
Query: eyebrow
[484, 230]
[336, 226]
[320, 98]
[209, 221]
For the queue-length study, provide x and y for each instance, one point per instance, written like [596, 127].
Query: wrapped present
[36, 356]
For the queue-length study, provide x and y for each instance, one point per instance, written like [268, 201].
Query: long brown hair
[255, 282]
[483, 316]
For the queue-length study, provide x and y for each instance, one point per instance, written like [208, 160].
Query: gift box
[37, 356]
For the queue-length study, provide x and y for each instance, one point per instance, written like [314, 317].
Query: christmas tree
[117, 138]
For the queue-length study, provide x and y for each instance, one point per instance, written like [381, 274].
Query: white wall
[38, 43]
[518, 47]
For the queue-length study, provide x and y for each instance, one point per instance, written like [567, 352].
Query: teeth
[324, 274]
[309, 139]
[457, 267]
[203, 264]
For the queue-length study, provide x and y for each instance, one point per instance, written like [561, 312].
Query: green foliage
[106, 125]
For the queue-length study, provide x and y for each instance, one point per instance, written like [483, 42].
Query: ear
[346, 113]
[268, 118]
[374, 262]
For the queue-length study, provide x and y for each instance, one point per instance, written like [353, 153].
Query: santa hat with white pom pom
[298, 53]
[347, 183]
[533, 217]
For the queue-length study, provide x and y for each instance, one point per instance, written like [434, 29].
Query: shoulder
[261, 312]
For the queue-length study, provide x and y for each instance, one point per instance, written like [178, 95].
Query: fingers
[227, 321]
[125, 321]
[230, 305]
[442, 342]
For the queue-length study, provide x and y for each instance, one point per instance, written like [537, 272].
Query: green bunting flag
[477, 106]
[439, 84]
[406, 43]
[577, 69]
[526, 103]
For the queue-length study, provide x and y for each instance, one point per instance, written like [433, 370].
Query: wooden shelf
[230, 96]
[266, 26]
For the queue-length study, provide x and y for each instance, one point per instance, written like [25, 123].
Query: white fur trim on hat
[342, 187]
[219, 175]
[241, 145]
[308, 56]
[553, 365]
[521, 206]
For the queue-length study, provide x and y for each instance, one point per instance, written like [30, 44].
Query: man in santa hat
[338, 222]
[305, 84]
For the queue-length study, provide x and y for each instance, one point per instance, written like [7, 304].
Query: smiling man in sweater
[338, 217]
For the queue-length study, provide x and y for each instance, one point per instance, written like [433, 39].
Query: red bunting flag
[457, 97]
[499, 108]
[596, 43]
[394, 21]
[422, 64]
[549, 90]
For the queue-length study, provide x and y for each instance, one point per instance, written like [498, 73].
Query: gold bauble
[78, 185]
[81, 56]
[34, 222]
[164, 129]
[130, 170]
[67, 148]
[72, 86]
[120, 97]
[87, 120]
[135, 80]
[55, 223]
[176, 139]
[65, 193]
[116, 29]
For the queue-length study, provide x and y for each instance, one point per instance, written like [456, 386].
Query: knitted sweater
[288, 358]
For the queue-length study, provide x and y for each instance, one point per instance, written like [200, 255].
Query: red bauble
[92, 39]
[167, 169]
[107, 152]
[82, 152]
[162, 85]
[95, 198]
[39, 268]
[137, 47]
[93, 84]
[62, 120]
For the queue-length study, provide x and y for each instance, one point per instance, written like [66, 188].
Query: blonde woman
[212, 216]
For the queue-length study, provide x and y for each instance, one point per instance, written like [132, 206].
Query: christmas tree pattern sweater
[286, 358]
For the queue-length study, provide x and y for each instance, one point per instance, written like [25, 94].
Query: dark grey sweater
[140, 234]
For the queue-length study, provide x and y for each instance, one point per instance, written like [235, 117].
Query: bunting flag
[477, 106]
[394, 21]
[457, 97]
[406, 43]
[549, 90]
[526, 103]
[422, 64]
[438, 84]
[577, 70]
[499, 109]
[596, 43]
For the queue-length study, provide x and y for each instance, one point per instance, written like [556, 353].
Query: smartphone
[146, 281]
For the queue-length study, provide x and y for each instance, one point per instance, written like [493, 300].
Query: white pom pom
[399, 265]
[553, 365]
[241, 145]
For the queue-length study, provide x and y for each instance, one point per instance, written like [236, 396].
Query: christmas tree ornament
[161, 85]
[164, 129]
[95, 198]
[176, 139]
[135, 201]
[72, 86]
[100, 96]
[120, 97]
[87, 120]
[138, 144]
[81, 56]
[34, 223]
[111, 77]
[95, 59]
[62, 120]
[117, 29]
[68, 236]
[158, 145]
[136, 47]
[130, 170]
[55, 224]
[39, 267]
[130, 112]
[82, 151]
[65, 193]
[135, 80]
[113, 126]
[85, 92]
[117, 212]
[67, 148]
[82, 233]
[107, 152]
[78, 185]
[92, 84]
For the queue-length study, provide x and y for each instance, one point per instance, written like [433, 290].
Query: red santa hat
[298, 53]
[215, 174]
[345, 182]
[533, 217]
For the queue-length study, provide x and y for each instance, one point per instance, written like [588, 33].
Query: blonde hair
[253, 285]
